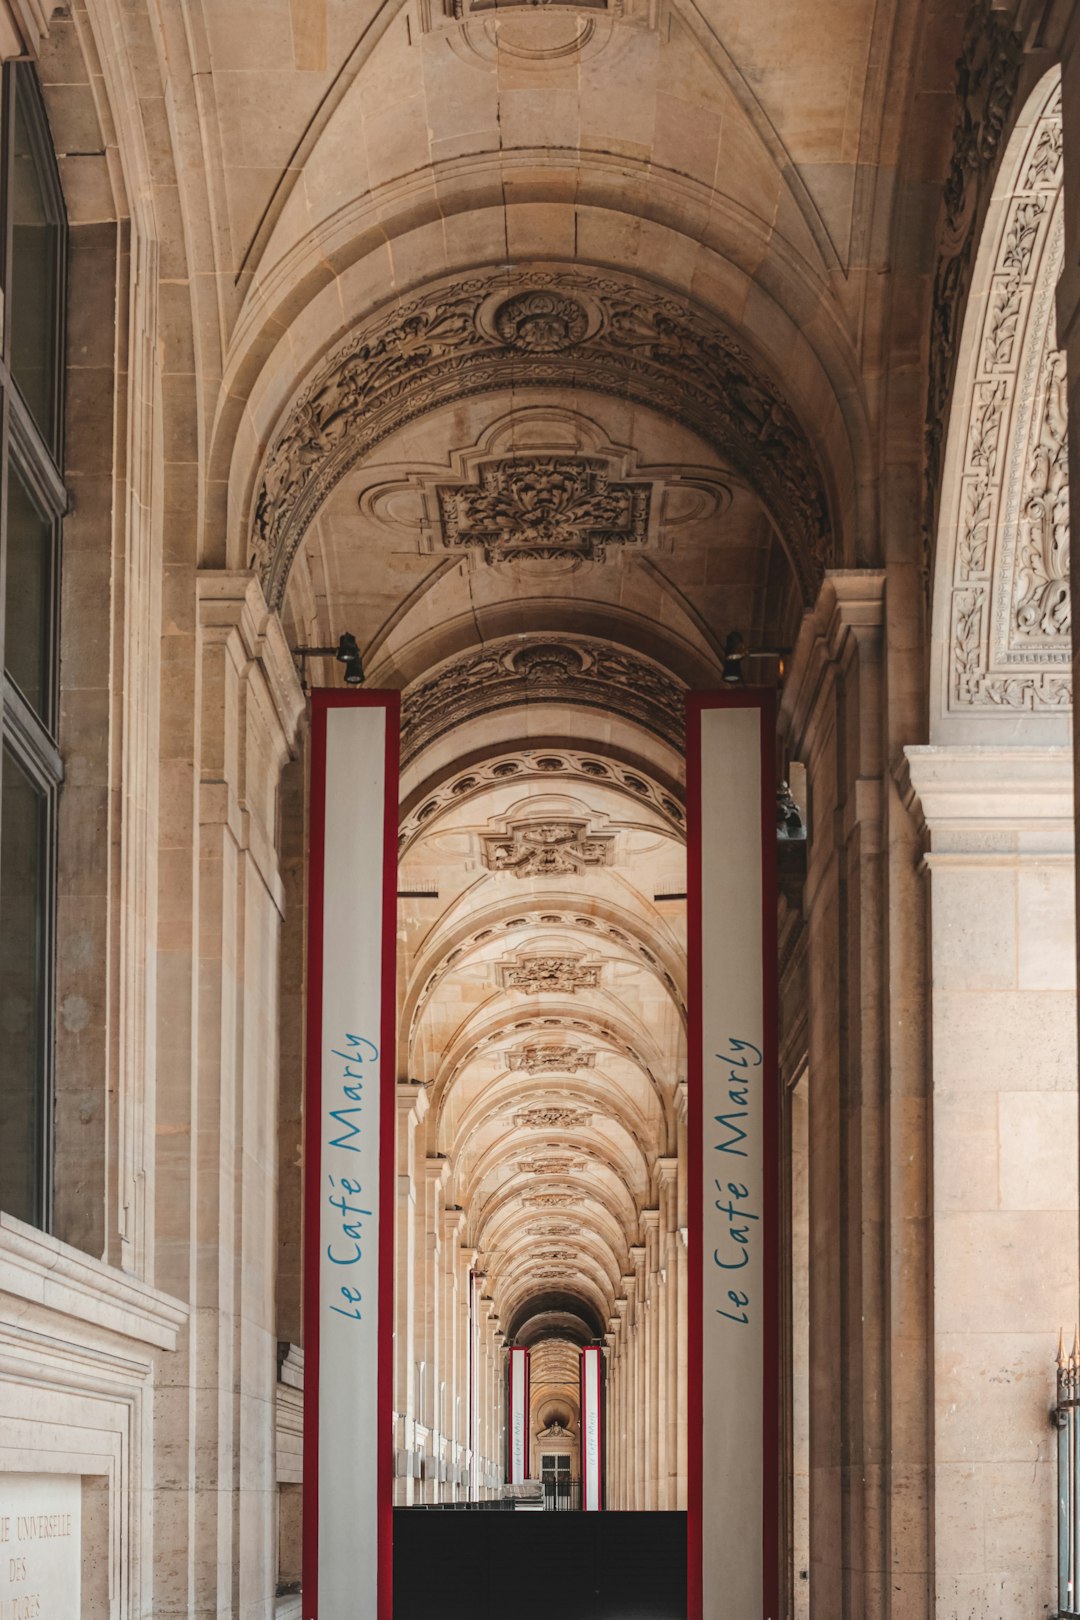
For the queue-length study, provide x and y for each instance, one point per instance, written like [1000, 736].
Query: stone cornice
[39, 1270]
[990, 804]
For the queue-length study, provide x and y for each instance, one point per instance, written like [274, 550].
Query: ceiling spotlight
[734, 653]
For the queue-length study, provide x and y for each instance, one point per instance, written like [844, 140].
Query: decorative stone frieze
[987, 73]
[530, 764]
[1005, 517]
[570, 669]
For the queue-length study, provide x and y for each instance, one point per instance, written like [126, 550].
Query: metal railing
[1067, 1418]
[562, 1495]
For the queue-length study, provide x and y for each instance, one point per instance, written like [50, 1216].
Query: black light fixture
[346, 652]
[734, 653]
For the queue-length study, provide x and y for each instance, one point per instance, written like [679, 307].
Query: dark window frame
[36, 451]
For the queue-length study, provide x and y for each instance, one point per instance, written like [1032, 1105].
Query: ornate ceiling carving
[550, 1058]
[544, 507]
[570, 1119]
[569, 328]
[547, 849]
[546, 975]
[567, 763]
[568, 669]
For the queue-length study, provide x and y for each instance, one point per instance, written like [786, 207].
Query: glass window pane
[23, 937]
[34, 268]
[28, 596]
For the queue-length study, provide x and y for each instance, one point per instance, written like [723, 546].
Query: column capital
[850, 607]
[231, 601]
[667, 1171]
[990, 805]
[412, 1101]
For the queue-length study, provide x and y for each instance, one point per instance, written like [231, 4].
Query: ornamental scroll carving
[569, 1119]
[550, 1059]
[571, 669]
[987, 72]
[545, 975]
[544, 507]
[1009, 604]
[547, 849]
[564, 328]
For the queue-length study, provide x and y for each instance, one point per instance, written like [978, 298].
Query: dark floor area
[539, 1566]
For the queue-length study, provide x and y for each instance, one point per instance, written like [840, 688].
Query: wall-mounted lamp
[346, 652]
[734, 653]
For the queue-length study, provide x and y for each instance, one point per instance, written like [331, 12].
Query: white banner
[592, 1365]
[350, 1073]
[519, 1415]
[733, 1503]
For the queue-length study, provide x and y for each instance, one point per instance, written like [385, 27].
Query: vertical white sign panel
[350, 1082]
[519, 1416]
[733, 1484]
[592, 1363]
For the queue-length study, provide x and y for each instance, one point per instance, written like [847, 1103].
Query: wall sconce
[734, 653]
[346, 652]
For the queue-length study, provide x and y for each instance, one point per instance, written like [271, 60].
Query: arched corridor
[538, 1040]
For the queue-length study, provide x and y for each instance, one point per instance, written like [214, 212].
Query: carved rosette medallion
[547, 849]
[544, 507]
[541, 322]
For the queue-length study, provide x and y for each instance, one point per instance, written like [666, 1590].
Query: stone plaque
[40, 1546]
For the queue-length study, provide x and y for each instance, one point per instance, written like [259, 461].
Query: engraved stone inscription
[40, 1546]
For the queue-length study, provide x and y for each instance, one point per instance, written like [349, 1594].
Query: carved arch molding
[1006, 532]
[566, 329]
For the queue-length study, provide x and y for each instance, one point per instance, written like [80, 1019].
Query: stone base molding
[998, 832]
[80, 1350]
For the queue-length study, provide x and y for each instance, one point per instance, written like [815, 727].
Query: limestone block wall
[999, 826]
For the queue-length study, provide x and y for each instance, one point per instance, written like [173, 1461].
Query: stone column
[999, 835]
[412, 1107]
[216, 1188]
[428, 1326]
[667, 1175]
[832, 717]
[650, 1225]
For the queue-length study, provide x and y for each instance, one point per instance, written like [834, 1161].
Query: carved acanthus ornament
[559, 1165]
[544, 507]
[1010, 611]
[542, 975]
[547, 849]
[571, 328]
[550, 1059]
